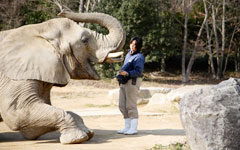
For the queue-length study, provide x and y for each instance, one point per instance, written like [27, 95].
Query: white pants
[128, 96]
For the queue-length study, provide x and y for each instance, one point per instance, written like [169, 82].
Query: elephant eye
[85, 40]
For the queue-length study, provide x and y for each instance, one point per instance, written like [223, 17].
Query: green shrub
[107, 70]
[176, 146]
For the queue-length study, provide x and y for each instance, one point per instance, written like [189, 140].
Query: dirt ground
[90, 100]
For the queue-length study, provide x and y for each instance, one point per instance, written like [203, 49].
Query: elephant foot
[88, 131]
[73, 136]
[80, 124]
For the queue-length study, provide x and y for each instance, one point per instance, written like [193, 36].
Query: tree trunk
[229, 49]
[163, 65]
[95, 3]
[81, 6]
[184, 77]
[236, 60]
[211, 64]
[88, 4]
[220, 73]
[191, 61]
[216, 38]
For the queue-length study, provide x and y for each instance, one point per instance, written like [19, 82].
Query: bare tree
[184, 77]
[209, 43]
[191, 61]
[214, 24]
[236, 57]
[81, 6]
[10, 13]
[229, 49]
[60, 5]
[186, 73]
[88, 4]
[219, 53]
[220, 67]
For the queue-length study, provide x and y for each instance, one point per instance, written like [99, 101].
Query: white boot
[127, 123]
[133, 128]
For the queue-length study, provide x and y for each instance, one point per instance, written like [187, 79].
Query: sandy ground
[89, 99]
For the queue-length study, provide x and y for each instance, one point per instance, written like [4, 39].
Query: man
[132, 70]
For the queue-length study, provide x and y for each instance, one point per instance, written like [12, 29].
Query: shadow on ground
[101, 136]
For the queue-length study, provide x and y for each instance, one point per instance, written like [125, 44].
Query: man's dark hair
[138, 42]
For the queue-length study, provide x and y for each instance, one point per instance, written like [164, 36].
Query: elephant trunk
[112, 42]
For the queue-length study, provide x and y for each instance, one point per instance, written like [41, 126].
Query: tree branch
[61, 6]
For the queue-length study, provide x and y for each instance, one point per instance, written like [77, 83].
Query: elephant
[34, 58]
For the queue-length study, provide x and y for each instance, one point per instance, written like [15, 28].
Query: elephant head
[59, 49]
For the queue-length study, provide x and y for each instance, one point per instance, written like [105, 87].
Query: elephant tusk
[114, 57]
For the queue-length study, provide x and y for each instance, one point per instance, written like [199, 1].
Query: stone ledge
[145, 93]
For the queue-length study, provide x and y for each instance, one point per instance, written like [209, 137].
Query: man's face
[133, 46]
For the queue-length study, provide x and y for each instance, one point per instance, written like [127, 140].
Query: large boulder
[145, 93]
[169, 102]
[211, 116]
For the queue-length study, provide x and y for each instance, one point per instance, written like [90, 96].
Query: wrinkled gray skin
[34, 58]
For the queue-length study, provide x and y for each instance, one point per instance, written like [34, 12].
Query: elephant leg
[26, 107]
[46, 118]
[33, 133]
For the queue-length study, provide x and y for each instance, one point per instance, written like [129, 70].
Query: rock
[145, 93]
[113, 95]
[160, 103]
[169, 103]
[211, 116]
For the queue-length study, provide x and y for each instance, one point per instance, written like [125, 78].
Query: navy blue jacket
[134, 64]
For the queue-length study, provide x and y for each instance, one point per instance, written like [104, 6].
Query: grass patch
[99, 106]
[176, 146]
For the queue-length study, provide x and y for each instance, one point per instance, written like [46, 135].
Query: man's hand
[124, 73]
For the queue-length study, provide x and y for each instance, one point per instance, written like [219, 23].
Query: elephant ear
[26, 55]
